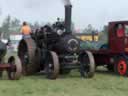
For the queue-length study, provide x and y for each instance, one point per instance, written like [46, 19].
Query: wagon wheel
[26, 52]
[15, 70]
[121, 66]
[52, 65]
[87, 64]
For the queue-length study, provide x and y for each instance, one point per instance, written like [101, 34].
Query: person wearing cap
[26, 30]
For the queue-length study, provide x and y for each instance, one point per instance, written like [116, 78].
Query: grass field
[103, 84]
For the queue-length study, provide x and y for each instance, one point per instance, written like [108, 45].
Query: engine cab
[118, 36]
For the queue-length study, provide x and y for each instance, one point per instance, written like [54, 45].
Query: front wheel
[121, 66]
[87, 64]
[52, 65]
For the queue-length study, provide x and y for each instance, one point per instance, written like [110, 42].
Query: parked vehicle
[56, 51]
[114, 54]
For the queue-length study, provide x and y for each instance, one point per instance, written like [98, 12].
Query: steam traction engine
[55, 50]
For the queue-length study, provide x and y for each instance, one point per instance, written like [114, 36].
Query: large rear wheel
[28, 55]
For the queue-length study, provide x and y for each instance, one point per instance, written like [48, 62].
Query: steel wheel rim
[15, 71]
[50, 66]
[53, 65]
[28, 56]
[87, 64]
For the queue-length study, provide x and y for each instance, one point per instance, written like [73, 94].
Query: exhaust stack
[68, 17]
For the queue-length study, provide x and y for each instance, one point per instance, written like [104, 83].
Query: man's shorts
[26, 36]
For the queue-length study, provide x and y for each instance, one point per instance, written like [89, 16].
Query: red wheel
[121, 66]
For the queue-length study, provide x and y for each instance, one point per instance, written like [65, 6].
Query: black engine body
[55, 39]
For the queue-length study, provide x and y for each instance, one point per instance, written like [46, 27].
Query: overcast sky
[95, 12]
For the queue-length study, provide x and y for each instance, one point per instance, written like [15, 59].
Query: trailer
[9, 63]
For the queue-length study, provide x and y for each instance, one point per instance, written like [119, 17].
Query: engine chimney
[68, 18]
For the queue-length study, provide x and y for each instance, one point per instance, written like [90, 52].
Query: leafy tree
[36, 25]
[89, 29]
[5, 28]
[15, 25]
[10, 25]
[103, 36]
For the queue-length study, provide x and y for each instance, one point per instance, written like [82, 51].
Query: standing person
[26, 30]
[120, 31]
[58, 22]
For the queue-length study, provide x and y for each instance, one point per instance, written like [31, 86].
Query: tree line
[12, 24]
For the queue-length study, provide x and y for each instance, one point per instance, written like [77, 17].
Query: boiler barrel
[68, 44]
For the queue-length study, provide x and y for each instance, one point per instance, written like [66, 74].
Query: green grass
[103, 84]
